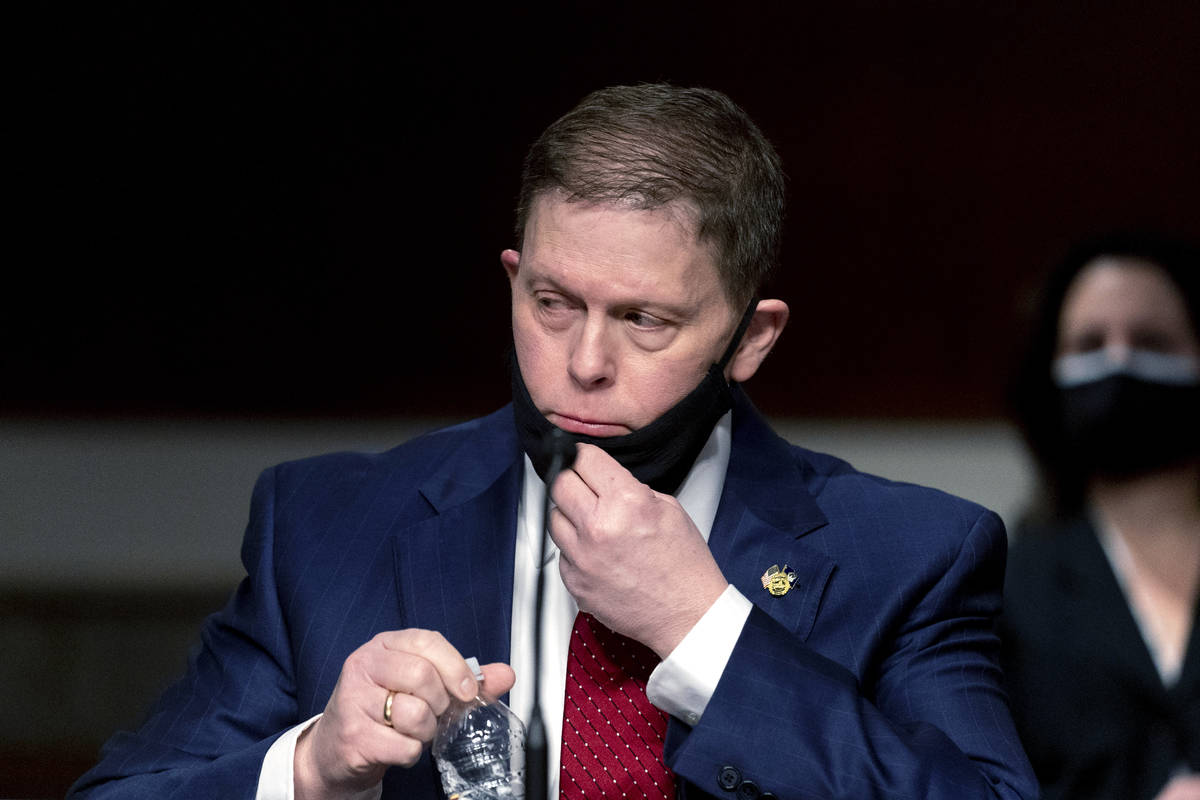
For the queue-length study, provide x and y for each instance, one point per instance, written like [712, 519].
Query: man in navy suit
[823, 633]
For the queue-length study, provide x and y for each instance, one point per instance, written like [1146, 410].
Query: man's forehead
[682, 212]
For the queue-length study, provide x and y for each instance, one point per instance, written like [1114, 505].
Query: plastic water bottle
[480, 749]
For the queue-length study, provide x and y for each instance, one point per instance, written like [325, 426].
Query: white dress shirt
[681, 685]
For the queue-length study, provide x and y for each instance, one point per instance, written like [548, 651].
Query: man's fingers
[598, 469]
[561, 527]
[595, 474]
[394, 749]
[596, 490]
[592, 471]
[384, 709]
[412, 716]
[404, 673]
[572, 495]
[420, 661]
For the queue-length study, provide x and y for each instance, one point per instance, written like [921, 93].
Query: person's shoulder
[484, 439]
[1047, 563]
[847, 495]
[1043, 547]
[837, 484]
[898, 537]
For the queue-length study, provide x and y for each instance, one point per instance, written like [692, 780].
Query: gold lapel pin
[779, 580]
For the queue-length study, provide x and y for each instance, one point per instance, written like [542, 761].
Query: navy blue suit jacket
[875, 677]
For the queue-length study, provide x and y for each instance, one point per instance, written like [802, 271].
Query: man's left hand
[629, 555]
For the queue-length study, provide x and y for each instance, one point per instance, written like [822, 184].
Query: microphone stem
[536, 756]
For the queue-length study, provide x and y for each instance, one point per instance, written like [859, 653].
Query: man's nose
[591, 363]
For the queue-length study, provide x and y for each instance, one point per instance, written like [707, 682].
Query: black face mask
[1123, 426]
[660, 454]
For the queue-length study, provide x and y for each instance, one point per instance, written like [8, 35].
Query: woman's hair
[1033, 397]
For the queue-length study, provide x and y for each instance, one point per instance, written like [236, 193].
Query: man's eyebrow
[649, 305]
[545, 281]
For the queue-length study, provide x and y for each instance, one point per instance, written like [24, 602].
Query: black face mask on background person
[1124, 420]
[660, 454]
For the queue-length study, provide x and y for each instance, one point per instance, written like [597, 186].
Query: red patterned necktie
[612, 736]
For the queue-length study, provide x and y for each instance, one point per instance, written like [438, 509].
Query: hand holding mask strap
[660, 454]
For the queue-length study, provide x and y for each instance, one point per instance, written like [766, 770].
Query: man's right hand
[348, 749]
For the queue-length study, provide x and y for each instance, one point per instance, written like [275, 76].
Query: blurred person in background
[1102, 653]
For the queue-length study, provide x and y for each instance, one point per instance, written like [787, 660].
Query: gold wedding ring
[387, 708]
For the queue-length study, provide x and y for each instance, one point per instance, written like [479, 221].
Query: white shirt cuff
[685, 681]
[275, 779]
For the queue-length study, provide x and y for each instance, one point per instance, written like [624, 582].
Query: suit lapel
[765, 511]
[454, 570]
[1189, 674]
[1100, 620]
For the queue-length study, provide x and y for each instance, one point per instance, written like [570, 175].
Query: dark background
[290, 210]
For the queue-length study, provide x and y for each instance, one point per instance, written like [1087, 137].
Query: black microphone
[559, 448]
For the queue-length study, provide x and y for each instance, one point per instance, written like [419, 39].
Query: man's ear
[511, 260]
[765, 326]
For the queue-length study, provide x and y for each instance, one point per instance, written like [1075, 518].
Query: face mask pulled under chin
[1130, 418]
[659, 455]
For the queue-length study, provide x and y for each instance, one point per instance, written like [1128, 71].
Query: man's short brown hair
[651, 145]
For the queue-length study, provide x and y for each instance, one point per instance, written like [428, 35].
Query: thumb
[497, 679]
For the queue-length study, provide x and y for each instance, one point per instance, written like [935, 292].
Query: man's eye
[551, 303]
[641, 320]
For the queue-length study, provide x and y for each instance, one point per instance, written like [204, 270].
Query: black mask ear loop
[743, 326]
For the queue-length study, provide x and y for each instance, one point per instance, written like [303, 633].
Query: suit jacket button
[729, 778]
[767, 796]
[747, 790]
